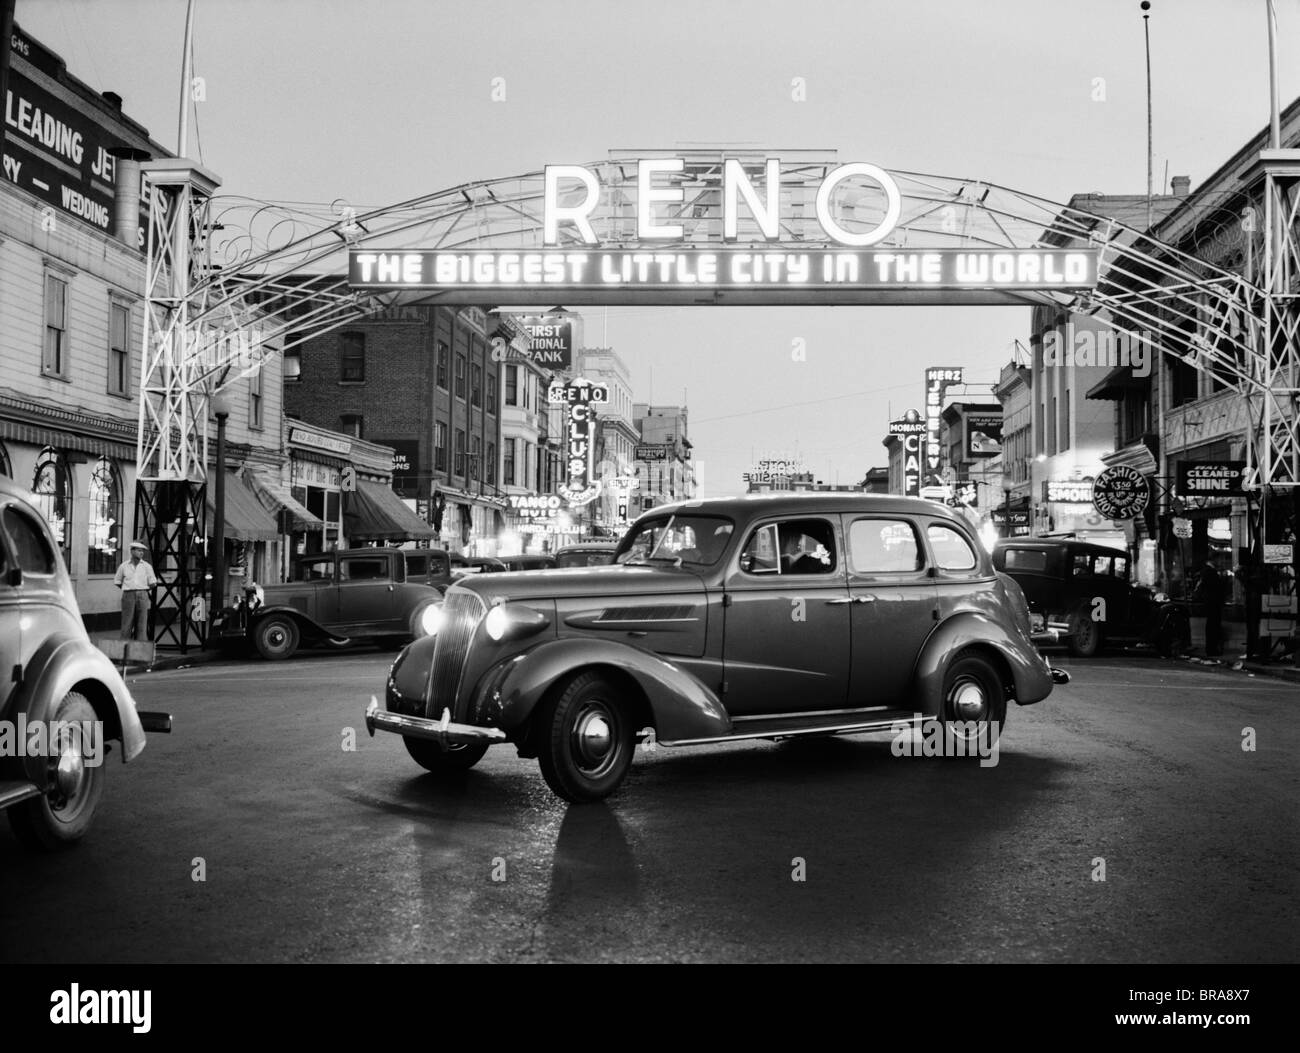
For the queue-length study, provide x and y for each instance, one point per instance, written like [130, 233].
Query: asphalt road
[315, 853]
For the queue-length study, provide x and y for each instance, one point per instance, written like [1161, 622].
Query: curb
[1242, 665]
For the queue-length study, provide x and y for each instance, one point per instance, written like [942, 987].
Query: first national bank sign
[659, 267]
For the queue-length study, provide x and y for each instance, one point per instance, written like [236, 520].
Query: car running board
[789, 727]
[14, 790]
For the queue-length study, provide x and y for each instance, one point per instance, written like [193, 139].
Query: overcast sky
[378, 102]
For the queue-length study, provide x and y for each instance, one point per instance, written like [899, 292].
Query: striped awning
[275, 496]
[247, 519]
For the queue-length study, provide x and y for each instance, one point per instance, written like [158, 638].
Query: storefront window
[6, 469]
[104, 541]
[52, 492]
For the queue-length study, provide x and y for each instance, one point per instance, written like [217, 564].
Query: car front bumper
[443, 731]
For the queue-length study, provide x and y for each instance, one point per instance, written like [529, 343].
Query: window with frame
[492, 392]
[475, 454]
[492, 463]
[508, 464]
[1101, 566]
[54, 363]
[119, 353]
[31, 549]
[951, 550]
[460, 451]
[512, 385]
[444, 352]
[363, 569]
[795, 547]
[255, 400]
[460, 376]
[883, 546]
[1027, 560]
[1080, 565]
[292, 358]
[352, 424]
[476, 385]
[439, 447]
[104, 537]
[352, 358]
[52, 494]
[6, 468]
[1065, 421]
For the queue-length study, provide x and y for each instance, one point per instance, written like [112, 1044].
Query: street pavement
[1134, 772]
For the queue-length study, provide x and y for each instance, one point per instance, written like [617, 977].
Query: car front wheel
[974, 704]
[441, 760]
[586, 739]
[276, 637]
[75, 783]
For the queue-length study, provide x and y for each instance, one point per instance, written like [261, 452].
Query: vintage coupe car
[586, 554]
[1082, 593]
[760, 617]
[334, 597]
[57, 681]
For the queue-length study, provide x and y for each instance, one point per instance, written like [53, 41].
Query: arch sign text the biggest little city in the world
[771, 270]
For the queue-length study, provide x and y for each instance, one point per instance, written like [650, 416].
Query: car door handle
[864, 599]
[838, 603]
[852, 599]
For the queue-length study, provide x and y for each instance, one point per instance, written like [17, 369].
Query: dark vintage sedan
[61, 699]
[762, 617]
[1084, 594]
[586, 554]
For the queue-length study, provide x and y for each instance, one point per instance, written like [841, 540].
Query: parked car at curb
[759, 617]
[528, 561]
[334, 597]
[586, 554]
[57, 686]
[1083, 593]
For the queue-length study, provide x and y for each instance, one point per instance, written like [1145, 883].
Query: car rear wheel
[433, 756]
[276, 637]
[1085, 635]
[974, 704]
[586, 739]
[62, 815]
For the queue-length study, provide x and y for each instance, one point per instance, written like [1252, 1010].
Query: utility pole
[1146, 32]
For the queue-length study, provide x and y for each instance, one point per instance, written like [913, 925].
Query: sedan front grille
[461, 613]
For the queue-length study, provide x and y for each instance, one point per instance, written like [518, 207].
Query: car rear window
[951, 550]
[1028, 560]
[417, 566]
[883, 546]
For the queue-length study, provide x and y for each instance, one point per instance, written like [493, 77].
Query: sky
[379, 102]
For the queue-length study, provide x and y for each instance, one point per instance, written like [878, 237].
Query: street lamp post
[1007, 487]
[216, 561]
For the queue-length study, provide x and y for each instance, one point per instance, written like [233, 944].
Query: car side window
[759, 556]
[315, 570]
[951, 550]
[363, 569]
[883, 546]
[795, 547]
[1027, 560]
[1121, 567]
[32, 551]
[1101, 566]
[417, 566]
[1080, 565]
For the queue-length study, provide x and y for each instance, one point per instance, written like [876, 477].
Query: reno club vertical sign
[579, 397]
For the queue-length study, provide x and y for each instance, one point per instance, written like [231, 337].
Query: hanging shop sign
[652, 452]
[1068, 491]
[537, 508]
[302, 437]
[909, 424]
[1121, 492]
[938, 379]
[579, 397]
[983, 434]
[550, 340]
[1211, 478]
[406, 465]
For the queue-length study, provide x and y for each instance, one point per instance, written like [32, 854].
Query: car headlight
[430, 619]
[506, 619]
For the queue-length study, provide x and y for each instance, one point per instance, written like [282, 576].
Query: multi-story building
[1012, 501]
[423, 381]
[616, 433]
[72, 280]
[665, 467]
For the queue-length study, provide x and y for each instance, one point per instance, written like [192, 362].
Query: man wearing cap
[135, 578]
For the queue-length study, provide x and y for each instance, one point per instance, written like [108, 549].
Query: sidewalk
[166, 657]
[1281, 669]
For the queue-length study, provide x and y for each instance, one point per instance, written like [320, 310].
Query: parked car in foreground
[586, 554]
[1084, 593]
[334, 597]
[528, 561]
[761, 617]
[58, 685]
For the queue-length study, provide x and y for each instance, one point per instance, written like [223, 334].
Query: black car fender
[681, 706]
[971, 630]
[307, 626]
[65, 663]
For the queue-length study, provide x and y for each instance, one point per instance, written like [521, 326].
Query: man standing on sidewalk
[1209, 590]
[136, 579]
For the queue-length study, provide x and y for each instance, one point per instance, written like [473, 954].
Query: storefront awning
[1116, 384]
[246, 518]
[373, 512]
[275, 497]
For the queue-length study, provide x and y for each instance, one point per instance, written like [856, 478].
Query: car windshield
[679, 540]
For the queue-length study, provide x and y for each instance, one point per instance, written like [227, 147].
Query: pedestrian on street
[136, 579]
[1209, 591]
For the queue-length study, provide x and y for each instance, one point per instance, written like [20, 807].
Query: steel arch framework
[255, 275]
